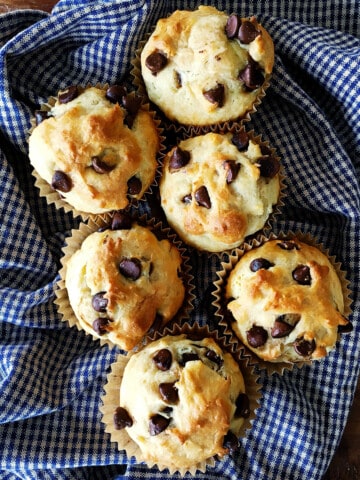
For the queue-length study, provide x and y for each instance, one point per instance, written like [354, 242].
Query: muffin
[180, 401]
[96, 146]
[122, 282]
[287, 301]
[204, 67]
[218, 188]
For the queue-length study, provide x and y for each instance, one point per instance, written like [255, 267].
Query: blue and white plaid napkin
[51, 376]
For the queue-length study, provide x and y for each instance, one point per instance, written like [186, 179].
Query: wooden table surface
[345, 464]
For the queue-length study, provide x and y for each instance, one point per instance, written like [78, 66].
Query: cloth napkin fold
[51, 376]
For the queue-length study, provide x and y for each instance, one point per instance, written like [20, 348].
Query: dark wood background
[345, 464]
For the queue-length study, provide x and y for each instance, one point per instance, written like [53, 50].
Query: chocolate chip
[252, 75]
[157, 323]
[179, 158]
[214, 357]
[130, 268]
[242, 406]
[188, 357]
[202, 197]
[301, 275]
[232, 26]
[265, 150]
[69, 94]
[284, 325]
[260, 263]
[61, 181]
[231, 442]
[247, 32]
[347, 328]
[241, 140]
[158, 424]
[100, 325]
[169, 392]
[177, 79]
[216, 95]
[166, 410]
[99, 303]
[156, 62]
[269, 166]
[303, 347]
[100, 166]
[122, 418]
[163, 359]
[256, 336]
[288, 245]
[187, 198]
[134, 185]
[232, 169]
[121, 221]
[40, 116]
[115, 93]
[132, 103]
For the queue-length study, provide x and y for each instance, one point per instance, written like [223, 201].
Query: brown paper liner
[111, 397]
[277, 208]
[54, 197]
[73, 243]
[227, 267]
[178, 127]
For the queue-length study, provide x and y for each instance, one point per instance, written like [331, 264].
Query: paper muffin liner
[111, 397]
[219, 303]
[178, 127]
[54, 197]
[74, 242]
[276, 208]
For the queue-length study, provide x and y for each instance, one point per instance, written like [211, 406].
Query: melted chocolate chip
[121, 221]
[68, 95]
[242, 406]
[130, 268]
[232, 169]
[99, 303]
[134, 185]
[100, 325]
[179, 158]
[347, 328]
[302, 275]
[252, 75]
[122, 418]
[231, 442]
[187, 198]
[115, 93]
[241, 140]
[288, 245]
[232, 26]
[169, 392]
[260, 263]
[158, 424]
[256, 336]
[163, 359]
[100, 166]
[40, 116]
[247, 32]
[269, 166]
[303, 347]
[188, 357]
[156, 62]
[61, 181]
[284, 325]
[214, 357]
[202, 197]
[216, 95]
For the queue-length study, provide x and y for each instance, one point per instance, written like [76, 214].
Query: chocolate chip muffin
[123, 281]
[218, 188]
[96, 146]
[204, 67]
[182, 401]
[287, 301]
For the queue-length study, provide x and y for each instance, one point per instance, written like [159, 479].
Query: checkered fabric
[52, 376]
